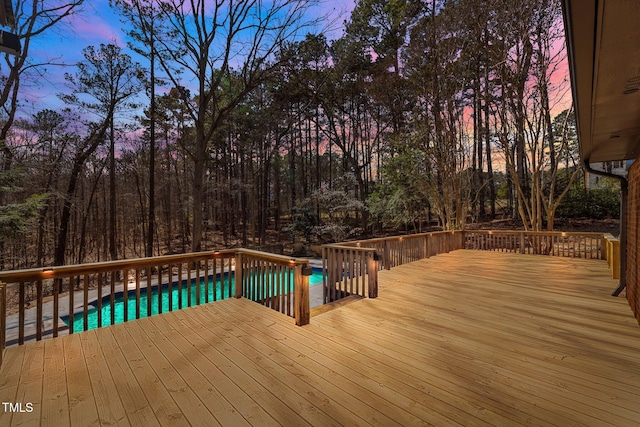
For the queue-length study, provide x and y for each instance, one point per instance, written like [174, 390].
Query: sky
[98, 23]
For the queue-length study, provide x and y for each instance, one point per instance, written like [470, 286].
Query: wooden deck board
[30, 386]
[55, 402]
[465, 338]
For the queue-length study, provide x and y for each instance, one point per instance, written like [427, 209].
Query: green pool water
[222, 286]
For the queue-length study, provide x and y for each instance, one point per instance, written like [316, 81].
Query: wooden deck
[468, 338]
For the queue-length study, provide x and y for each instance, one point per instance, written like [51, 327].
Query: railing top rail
[350, 247]
[274, 257]
[396, 238]
[42, 273]
[539, 233]
[99, 267]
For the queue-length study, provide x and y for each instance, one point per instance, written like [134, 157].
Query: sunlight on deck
[468, 338]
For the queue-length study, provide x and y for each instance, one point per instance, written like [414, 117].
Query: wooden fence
[131, 289]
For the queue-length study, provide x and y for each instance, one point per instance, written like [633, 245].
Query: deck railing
[398, 250]
[349, 271]
[144, 286]
[347, 265]
[275, 281]
[553, 243]
[343, 262]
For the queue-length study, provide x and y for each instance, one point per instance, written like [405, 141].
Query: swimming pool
[223, 285]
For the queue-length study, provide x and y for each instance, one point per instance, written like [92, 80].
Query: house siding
[633, 239]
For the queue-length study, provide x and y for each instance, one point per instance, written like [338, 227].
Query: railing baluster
[188, 285]
[170, 287]
[125, 295]
[217, 280]
[159, 288]
[21, 313]
[180, 286]
[149, 289]
[70, 300]
[137, 293]
[206, 280]
[39, 298]
[351, 266]
[198, 283]
[57, 285]
[85, 311]
[100, 285]
[112, 297]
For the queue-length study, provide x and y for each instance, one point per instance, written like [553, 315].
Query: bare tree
[103, 83]
[147, 25]
[215, 45]
[523, 120]
[33, 19]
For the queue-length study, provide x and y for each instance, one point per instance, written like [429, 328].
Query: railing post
[425, 246]
[238, 275]
[301, 296]
[386, 256]
[372, 274]
[615, 262]
[325, 271]
[3, 319]
[522, 242]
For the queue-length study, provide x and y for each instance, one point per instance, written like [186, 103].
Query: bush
[599, 203]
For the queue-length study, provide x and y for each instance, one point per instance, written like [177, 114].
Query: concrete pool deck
[30, 314]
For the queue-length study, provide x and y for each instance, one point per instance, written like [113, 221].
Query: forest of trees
[241, 127]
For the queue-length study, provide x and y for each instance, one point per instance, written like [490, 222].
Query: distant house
[604, 62]
[616, 167]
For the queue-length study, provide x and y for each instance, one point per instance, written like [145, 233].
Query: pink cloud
[95, 30]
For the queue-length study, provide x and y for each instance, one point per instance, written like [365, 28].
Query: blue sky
[97, 23]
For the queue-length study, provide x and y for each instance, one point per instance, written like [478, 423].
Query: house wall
[633, 240]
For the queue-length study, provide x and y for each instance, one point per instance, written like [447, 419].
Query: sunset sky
[98, 23]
